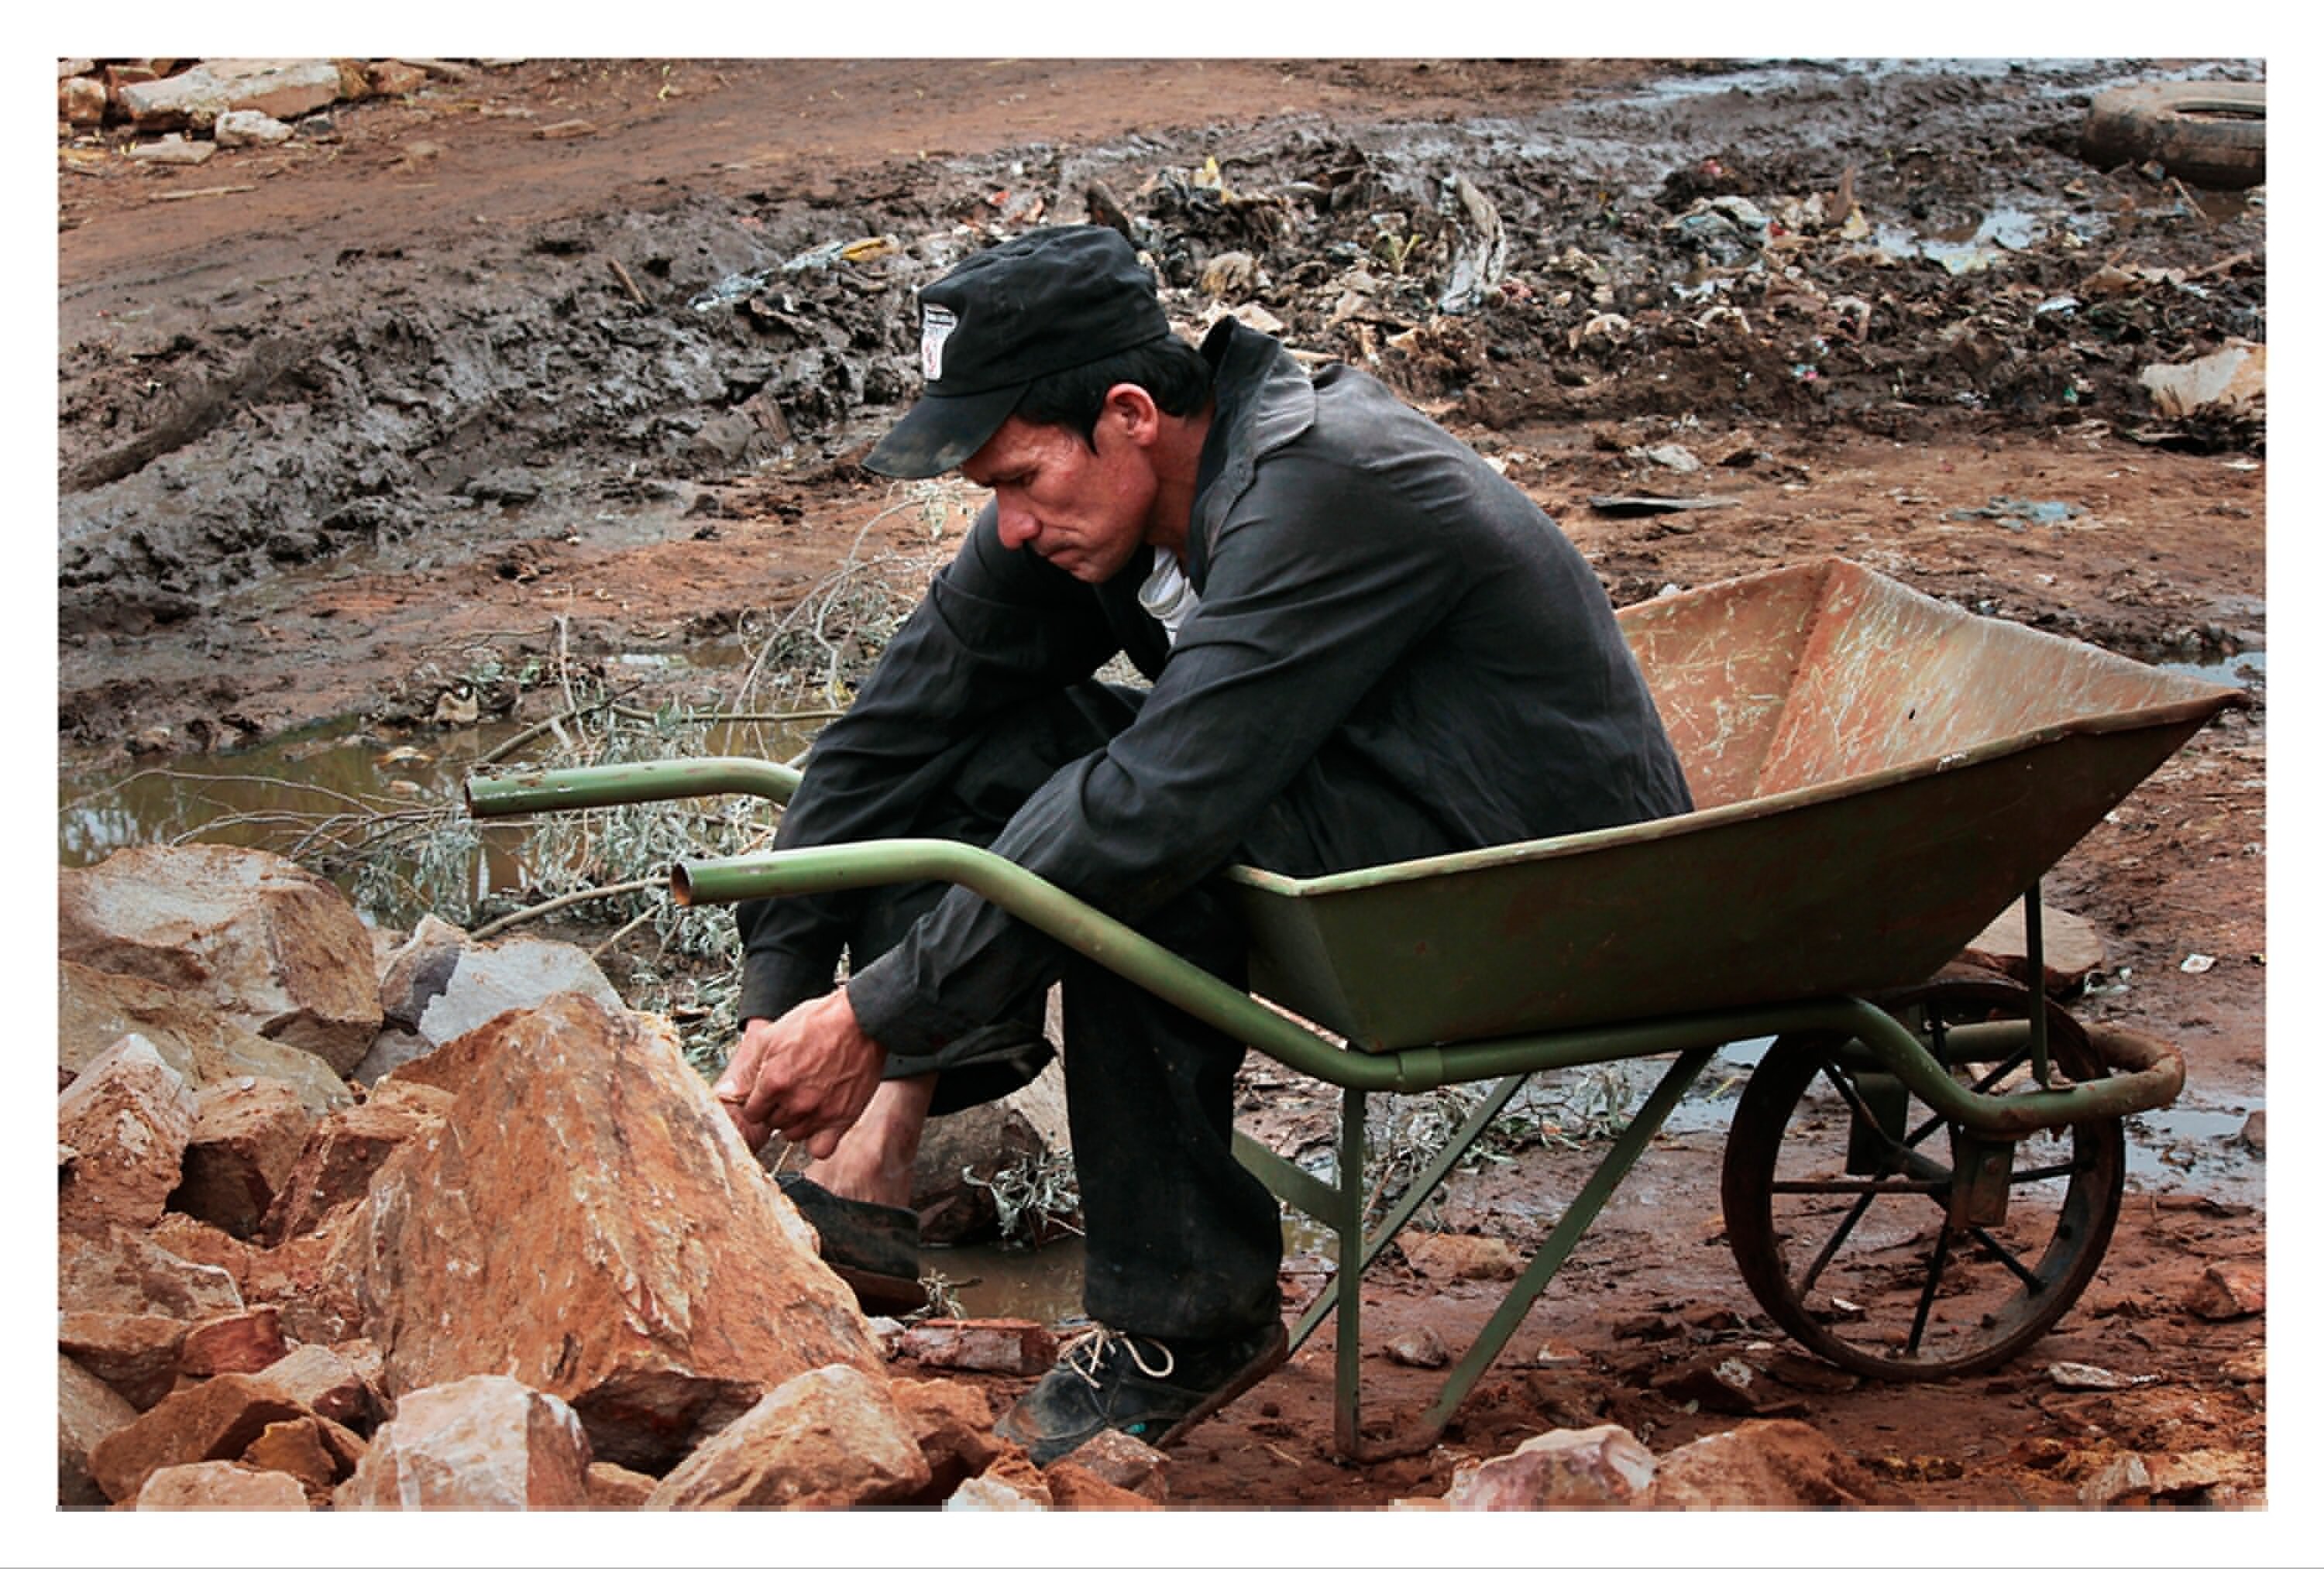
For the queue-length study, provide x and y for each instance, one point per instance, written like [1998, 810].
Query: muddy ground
[421, 395]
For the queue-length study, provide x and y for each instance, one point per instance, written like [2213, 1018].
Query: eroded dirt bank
[433, 388]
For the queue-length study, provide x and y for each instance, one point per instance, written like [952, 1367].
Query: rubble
[135, 1354]
[260, 936]
[220, 1484]
[1562, 1469]
[585, 1219]
[247, 1342]
[335, 1164]
[95, 1007]
[128, 1119]
[119, 1270]
[247, 1135]
[327, 1382]
[2229, 1289]
[829, 1439]
[249, 128]
[1762, 1464]
[215, 1419]
[1444, 1255]
[483, 1441]
[995, 1345]
[2071, 947]
[89, 1411]
[952, 1423]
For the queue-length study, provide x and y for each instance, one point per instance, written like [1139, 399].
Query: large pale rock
[247, 1136]
[95, 1008]
[831, 1438]
[88, 1410]
[1450, 1255]
[215, 1419]
[220, 1484]
[1770, 1464]
[416, 972]
[134, 1353]
[121, 1271]
[485, 1442]
[341, 1154]
[585, 1219]
[129, 1117]
[278, 949]
[1562, 1469]
[521, 972]
[284, 88]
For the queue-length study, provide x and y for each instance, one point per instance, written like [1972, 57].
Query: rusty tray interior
[1877, 775]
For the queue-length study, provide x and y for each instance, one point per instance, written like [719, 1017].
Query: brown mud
[436, 385]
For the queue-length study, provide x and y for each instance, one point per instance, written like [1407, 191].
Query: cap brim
[941, 434]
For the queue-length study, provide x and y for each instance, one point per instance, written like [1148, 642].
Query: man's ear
[1134, 406]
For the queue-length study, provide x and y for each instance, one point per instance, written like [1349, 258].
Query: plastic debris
[2013, 513]
[2233, 381]
[2197, 963]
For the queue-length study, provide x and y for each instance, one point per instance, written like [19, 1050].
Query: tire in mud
[2207, 134]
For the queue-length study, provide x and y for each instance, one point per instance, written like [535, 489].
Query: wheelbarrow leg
[1628, 1147]
[1348, 1221]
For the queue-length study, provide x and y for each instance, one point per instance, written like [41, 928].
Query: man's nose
[1018, 525]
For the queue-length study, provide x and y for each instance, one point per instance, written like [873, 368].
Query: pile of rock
[232, 102]
[531, 1265]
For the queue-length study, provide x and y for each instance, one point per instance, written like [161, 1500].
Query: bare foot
[873, 1162]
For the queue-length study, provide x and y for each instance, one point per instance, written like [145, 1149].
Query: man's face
[1083, 512]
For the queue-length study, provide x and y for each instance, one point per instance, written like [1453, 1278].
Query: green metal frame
[1690, 1039]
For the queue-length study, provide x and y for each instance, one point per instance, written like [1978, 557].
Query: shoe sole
[1259, 1366]
[881, 1294]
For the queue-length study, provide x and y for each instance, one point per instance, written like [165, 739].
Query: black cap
[1043, 302]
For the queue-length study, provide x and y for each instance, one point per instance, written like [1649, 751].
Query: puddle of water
[1044, 1284]
[2194, 1146]
[2248, 668]
[280, 797]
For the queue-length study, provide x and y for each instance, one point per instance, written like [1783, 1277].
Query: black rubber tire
[1784, 1129]
[2207, 134]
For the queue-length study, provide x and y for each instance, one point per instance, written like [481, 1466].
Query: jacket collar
[1264, 400]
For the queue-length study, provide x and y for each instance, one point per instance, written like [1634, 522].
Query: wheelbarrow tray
[1876, 775]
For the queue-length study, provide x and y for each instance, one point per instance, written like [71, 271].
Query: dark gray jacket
[1397, 654]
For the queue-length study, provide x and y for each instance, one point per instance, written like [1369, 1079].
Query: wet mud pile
[1873, 247]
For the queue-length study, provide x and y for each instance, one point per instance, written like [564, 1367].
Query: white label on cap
[935, 325]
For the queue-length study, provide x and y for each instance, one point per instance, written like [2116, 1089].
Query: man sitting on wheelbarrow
[1364, 647]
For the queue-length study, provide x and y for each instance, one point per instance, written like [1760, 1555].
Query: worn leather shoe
[1152, 1390]
[875, 1248]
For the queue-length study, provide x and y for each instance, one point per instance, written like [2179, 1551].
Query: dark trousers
[1181, 1240]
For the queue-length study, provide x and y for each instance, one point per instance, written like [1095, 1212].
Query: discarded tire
[2207, 134]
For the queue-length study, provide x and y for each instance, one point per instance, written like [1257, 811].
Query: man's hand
[810, 1073]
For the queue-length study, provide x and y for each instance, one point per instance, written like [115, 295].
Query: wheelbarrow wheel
[1838, 1198]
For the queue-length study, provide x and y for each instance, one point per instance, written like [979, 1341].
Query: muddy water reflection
[312, 791]
[1044, 1284]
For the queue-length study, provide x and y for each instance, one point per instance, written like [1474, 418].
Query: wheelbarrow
[1923, 1169]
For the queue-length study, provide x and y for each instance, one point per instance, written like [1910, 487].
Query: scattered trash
[2233, 381]
[2081, 1375]
[2013, 513]
[2197, 963]
[1482, 255]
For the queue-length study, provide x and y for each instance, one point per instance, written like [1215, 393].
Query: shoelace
[1085, 1353]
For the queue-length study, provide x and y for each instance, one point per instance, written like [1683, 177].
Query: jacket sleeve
[1319, 580]
[997, 629]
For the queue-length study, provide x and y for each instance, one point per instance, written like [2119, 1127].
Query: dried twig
[628, 282]
[563, 901]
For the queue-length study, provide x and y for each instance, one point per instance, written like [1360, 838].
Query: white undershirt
[1166, 595]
